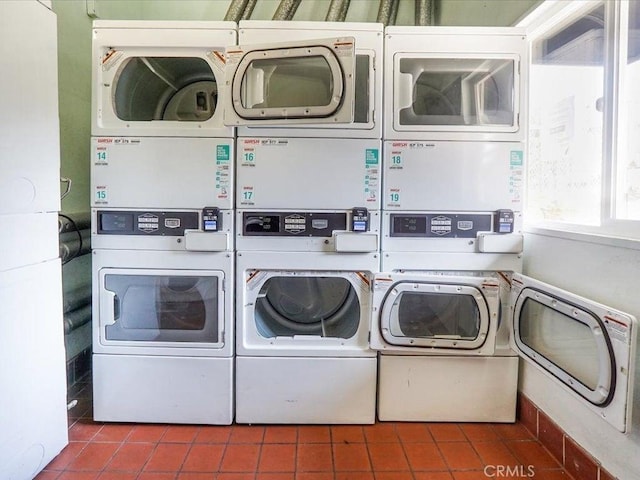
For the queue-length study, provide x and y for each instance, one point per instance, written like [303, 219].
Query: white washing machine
[453, 160]
[162, 317]
[302, 350]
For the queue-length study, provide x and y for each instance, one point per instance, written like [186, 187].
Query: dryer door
[435, 314]
[587, 346]
[455, 92]
[298, 82]
[160, 311]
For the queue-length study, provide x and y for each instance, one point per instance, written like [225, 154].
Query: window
[627, 205]
[584, 149]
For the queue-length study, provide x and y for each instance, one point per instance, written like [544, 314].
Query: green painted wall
[448, 12]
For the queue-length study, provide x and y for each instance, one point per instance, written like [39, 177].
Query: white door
[160, 312]
[310, 81]
[367, 120]
[429, 314]
[588, 347]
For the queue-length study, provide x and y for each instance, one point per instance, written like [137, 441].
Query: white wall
[609, 275]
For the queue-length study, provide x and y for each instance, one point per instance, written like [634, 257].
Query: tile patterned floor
[384, 451]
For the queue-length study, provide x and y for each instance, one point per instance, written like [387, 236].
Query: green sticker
[517, 157]
[371, 156]
[222, 152]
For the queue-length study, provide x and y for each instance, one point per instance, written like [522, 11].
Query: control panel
[141, 222]
[442, 224]
[288, 224]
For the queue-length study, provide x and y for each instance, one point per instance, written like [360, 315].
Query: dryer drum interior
[163, 308]
[165, 88]
[460, 91]
[319, 306]
[436, 315]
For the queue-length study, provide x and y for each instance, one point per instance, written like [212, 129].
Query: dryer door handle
[109, 304]
[404, 92]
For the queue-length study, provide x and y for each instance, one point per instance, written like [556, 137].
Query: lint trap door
[588, 347]
[428, 314]
[311, 81]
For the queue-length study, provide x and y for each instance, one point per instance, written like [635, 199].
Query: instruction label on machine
[617, 330]
[516, 175]
[100, 196]
[223, 173]
[249, 149]
[101, 153]
[247, 196]
[371, 174]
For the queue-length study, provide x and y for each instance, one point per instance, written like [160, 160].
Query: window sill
[579, 235]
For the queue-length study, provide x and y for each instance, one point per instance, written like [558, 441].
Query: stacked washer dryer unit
[453, 159]
[307, 200]
[162, 223]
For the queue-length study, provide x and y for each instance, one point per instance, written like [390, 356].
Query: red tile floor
[384, 451]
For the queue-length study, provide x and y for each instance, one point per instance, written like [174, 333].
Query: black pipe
[235, 10]
[76, 319]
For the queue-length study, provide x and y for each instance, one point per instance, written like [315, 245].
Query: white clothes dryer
[158, 90]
